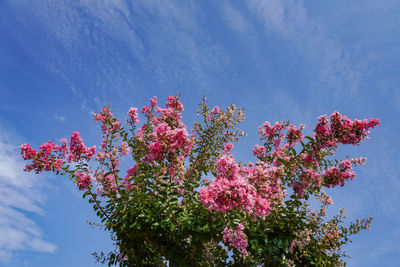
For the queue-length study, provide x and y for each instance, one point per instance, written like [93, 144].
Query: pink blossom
[336, 175]
[155, 151]
[325, 199]
[174, 103]
[47, 147]
[132, 171]
[231, 190]
[48, 159]
[133, 116]
[215, 110]
[146, 109]
[259, 151]
[104, 117]
[77, 148]
[154, 101]
[116, 125]
[361, 160]
[27, 152]
[90, 152]
[294, 135]
[236, 238]
[228, 147]
[100, 156]
[123, 149]
[307, 179]
[342, 130]
[83, 180]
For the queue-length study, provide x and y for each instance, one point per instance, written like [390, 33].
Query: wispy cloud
[19, 195]
[59, 117]
[235, 19]
[98, 47]
[290, 21]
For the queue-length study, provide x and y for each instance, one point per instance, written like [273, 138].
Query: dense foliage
[186, 201]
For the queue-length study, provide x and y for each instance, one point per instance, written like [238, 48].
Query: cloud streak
[19, 194]
[289, 20]
[101, 46]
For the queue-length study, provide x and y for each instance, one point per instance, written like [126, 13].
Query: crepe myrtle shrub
[186, 201]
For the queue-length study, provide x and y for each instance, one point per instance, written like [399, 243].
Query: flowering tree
[186, 201]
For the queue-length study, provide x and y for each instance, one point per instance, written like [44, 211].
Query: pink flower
[132, 171]
[215, 110]
[133, 116]
[294, 135]
[307, 179]
[342, 130]
[236, 188]
[27, 152]
[236, 238]
[228, 147]
[90, 152]
[174, 103]
[123, 149]
[146, 109]
[336, 175]
[83, 180]
[154, 101]
[259, 151]
[48, 159]
[155, 151]
[77, 148]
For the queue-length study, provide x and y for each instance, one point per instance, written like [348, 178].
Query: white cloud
[290, 21]
[235, 19]
[98, 47]
[59, 118]
[19, 194]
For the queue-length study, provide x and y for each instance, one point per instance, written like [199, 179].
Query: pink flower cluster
[123, 149]
[174, 103]
[342, 130]
[336, 175]
[294, 135]
[361, 160]
[228, 147]
[325, 199]
[215, 110]
[78, 149]
[48, 159]
[307, 178]
[332, 237]
[106, 181]
[249, 189]
[83, 180]
[272, 133]
[52, 157]
[331, 177]
[110, 125]
[105, 117]
[131, 173]
[169, 138]
[133, 116]
[259, 151]
[267, 181]
[274, 136]
[236, 239]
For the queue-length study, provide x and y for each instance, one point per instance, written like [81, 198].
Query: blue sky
[63, 60]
